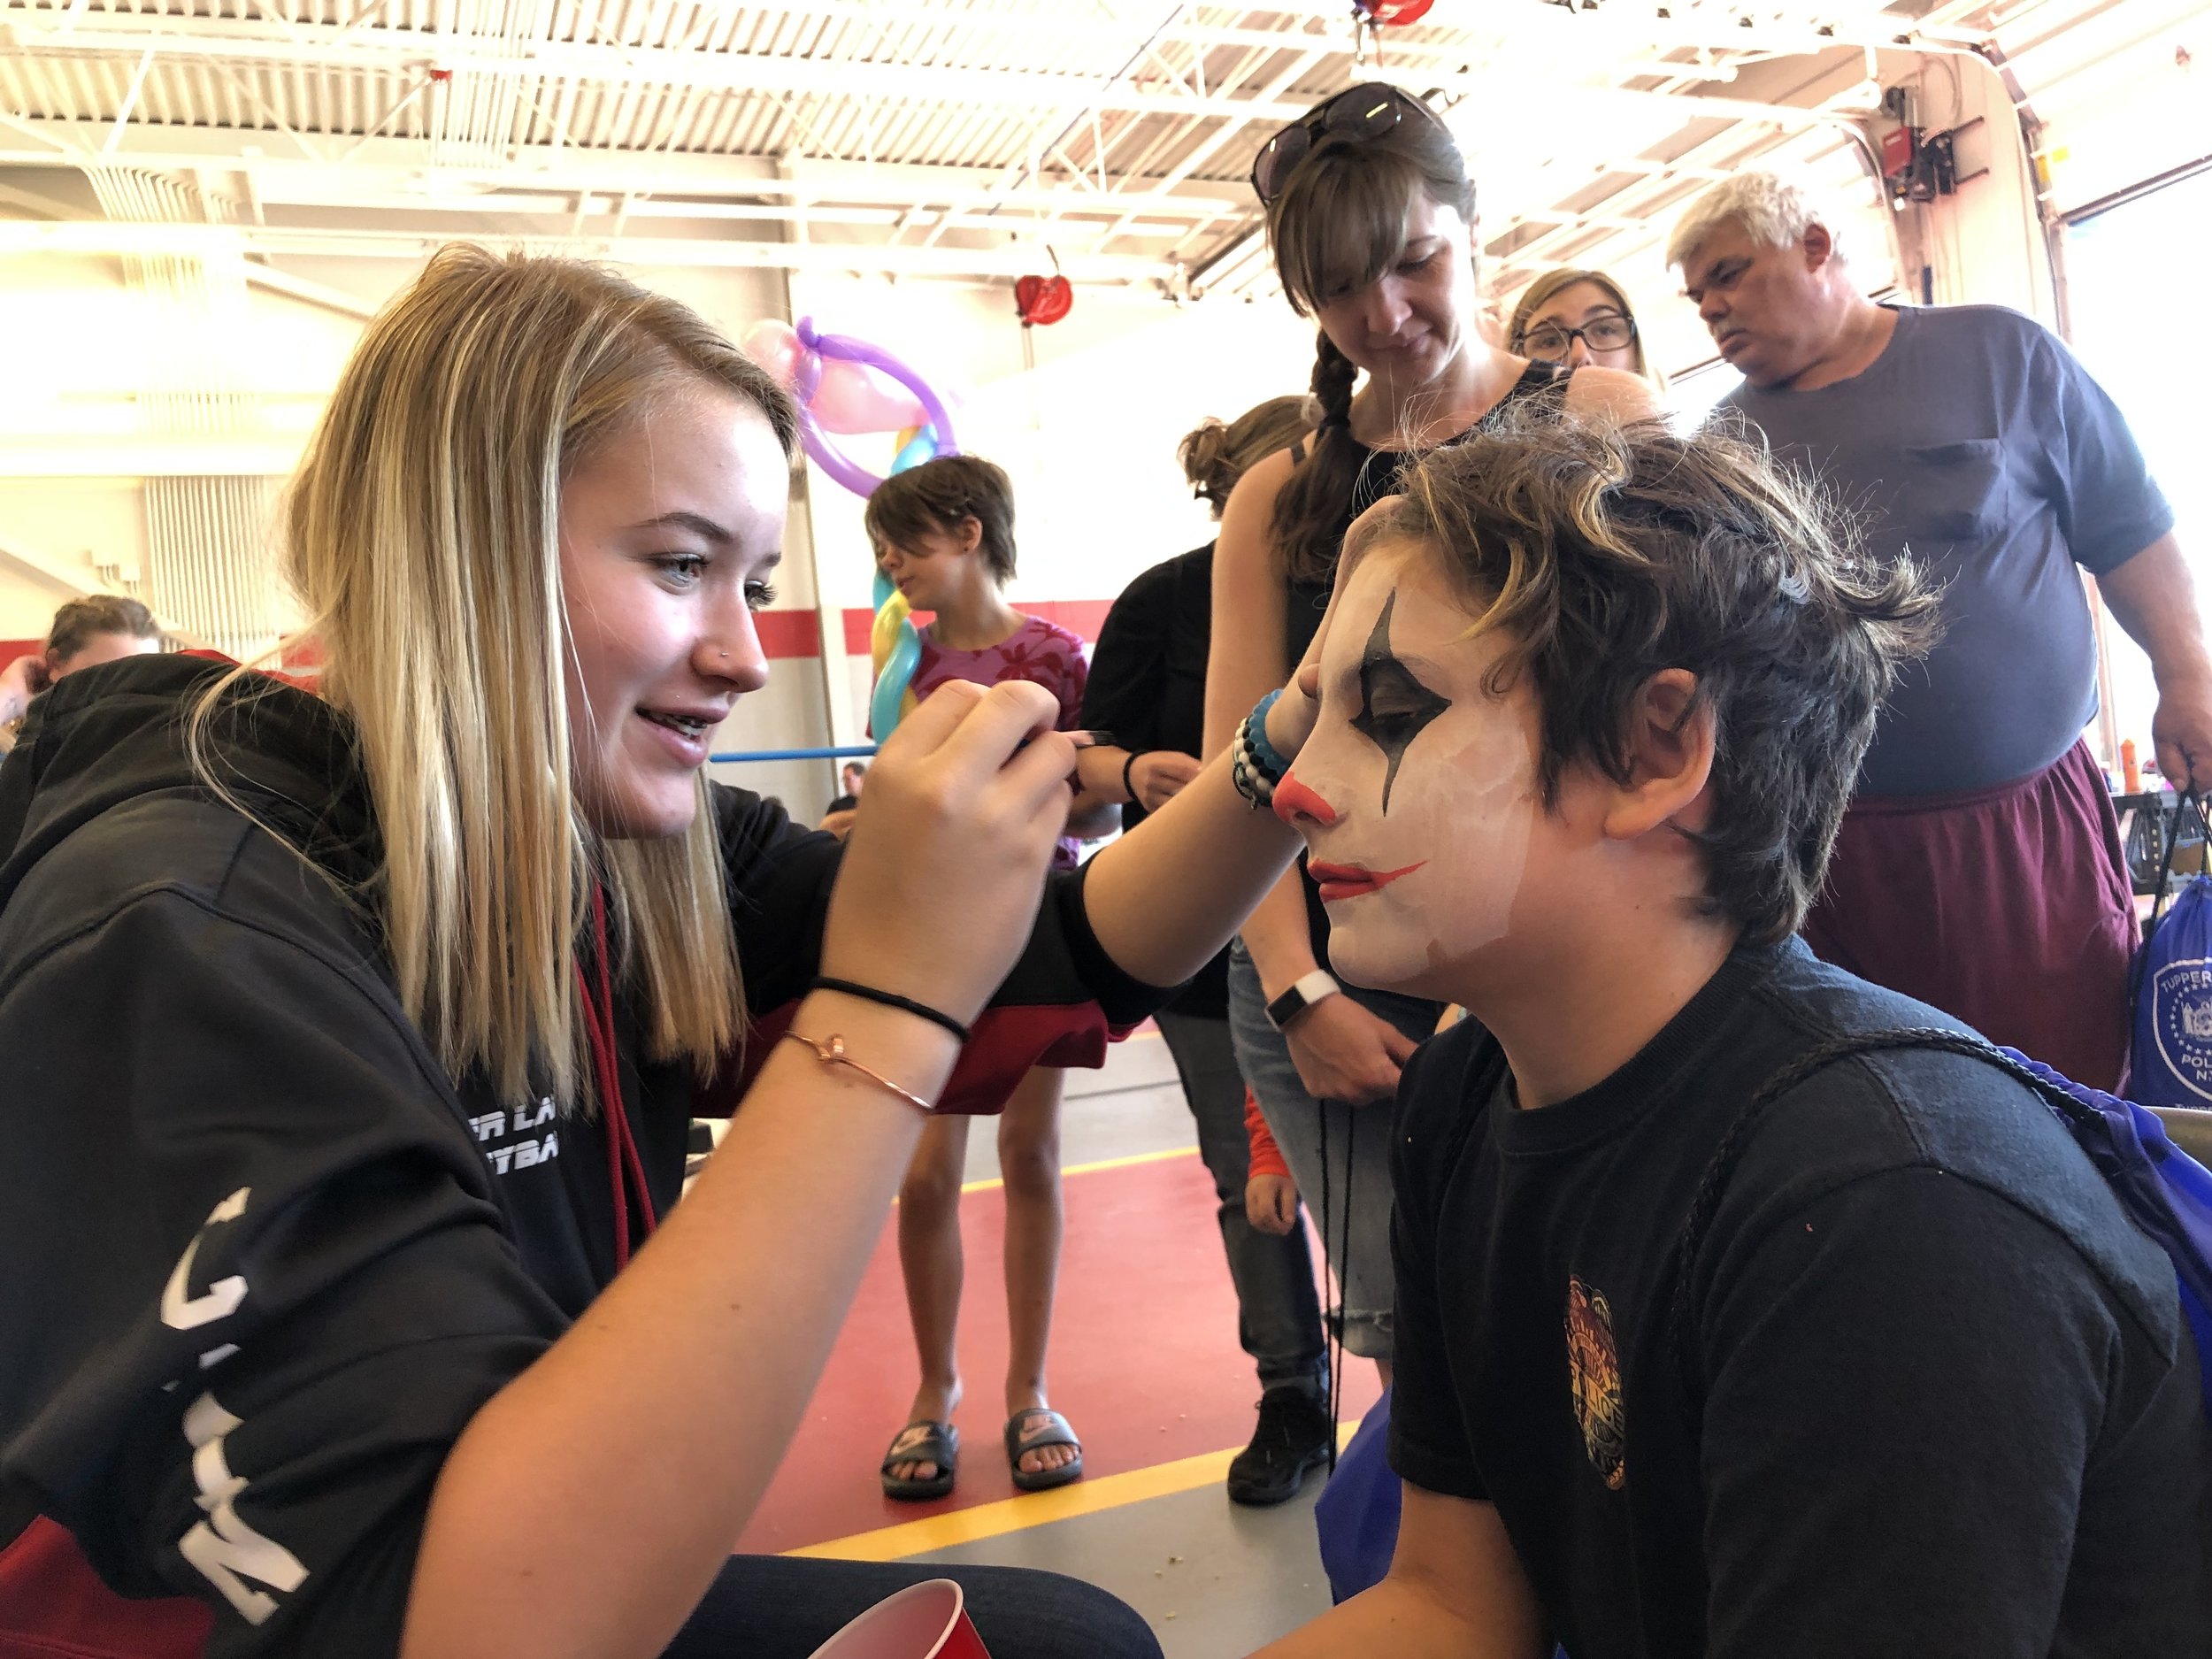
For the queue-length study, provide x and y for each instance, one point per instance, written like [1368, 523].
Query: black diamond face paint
[1393, 705]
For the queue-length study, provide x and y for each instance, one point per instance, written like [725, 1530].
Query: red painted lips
[1349, 881]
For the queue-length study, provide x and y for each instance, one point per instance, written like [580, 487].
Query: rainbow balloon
[895, 648]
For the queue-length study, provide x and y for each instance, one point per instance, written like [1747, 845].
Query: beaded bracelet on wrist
[1256, 767]
[1272, 759]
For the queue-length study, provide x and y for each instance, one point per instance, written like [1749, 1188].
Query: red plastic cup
[923, 1621]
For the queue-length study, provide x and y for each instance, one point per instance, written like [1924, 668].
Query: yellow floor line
[1093, 1168]
[1034, 1508]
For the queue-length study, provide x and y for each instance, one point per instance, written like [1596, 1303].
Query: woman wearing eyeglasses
[1369, 213]
[1579, 317]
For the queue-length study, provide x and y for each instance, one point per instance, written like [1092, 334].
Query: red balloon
[1040, 299]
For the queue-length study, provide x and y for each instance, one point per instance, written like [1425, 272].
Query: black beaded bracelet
[891, 999]
[1127, 787]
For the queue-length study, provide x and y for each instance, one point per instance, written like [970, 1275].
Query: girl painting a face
[370, 1022]
[1416, 793]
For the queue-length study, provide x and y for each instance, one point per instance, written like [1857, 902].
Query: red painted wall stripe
[788, 634]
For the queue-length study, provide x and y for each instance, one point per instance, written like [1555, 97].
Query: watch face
[1288, 1006]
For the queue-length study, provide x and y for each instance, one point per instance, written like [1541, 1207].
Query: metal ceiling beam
[235, 242]
[240, 42]
[405, 171]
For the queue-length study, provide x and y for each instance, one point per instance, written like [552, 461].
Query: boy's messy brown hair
[1605, 555]
[937, 495]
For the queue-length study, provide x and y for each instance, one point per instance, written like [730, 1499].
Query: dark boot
[1292, 1440]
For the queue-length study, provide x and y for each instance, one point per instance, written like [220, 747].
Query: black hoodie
[265, 1256]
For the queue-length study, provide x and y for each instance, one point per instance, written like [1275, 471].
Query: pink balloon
[851, 398]
[775, 345]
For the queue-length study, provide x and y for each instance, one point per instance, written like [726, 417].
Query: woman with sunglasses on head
[1371, 215]
[1579, 317]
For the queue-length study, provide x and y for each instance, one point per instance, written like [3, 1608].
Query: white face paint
[1417, 792]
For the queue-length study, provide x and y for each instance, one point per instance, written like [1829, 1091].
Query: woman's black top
[1148, 687]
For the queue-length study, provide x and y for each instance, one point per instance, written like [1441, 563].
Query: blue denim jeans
[783, 1607]
[1339, 1155]
[1278, 1317]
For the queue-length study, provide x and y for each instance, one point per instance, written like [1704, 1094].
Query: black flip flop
[1051, 1429]
[939, 1446]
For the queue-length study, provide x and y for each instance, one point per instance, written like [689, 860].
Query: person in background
[943, 532]
[350, 1306]
[1980, 868]
[837, 818]
[1881, 1369]
[1148, 689]
[1578, 318]
[98, 628]
[1371, 214]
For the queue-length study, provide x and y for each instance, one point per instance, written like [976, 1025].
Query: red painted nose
[1293, 801]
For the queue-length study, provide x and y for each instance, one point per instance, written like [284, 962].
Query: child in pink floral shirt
[944, 534]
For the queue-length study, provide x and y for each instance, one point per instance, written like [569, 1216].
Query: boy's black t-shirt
[1947, 1406]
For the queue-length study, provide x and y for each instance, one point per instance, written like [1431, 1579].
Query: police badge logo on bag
[2180, 997]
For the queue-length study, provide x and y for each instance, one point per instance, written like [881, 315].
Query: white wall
[1089, 436]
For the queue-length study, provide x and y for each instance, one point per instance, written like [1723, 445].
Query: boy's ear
[1670, 739]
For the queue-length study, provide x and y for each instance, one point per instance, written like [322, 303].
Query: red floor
[1144, 1360]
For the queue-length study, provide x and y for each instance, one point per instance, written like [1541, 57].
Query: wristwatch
[1302, 995]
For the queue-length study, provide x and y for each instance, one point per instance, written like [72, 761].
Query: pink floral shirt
[1038, 651]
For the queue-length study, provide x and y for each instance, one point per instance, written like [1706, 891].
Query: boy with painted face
[1590, 706]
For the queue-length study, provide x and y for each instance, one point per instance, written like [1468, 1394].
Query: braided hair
[1338, 224]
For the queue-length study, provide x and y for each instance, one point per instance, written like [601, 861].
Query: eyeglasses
[1357, 114]
[1550, 342]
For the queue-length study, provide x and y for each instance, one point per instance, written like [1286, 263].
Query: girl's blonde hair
[422, 536]
[1540, 293]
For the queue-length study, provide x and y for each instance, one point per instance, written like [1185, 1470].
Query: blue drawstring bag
[1357, 1514]
[2171, 1061]
[2165, 1192]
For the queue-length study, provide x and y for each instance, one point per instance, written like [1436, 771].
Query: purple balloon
[872, 357]
[833, 460]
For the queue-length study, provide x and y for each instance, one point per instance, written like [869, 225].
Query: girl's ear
[970, 531]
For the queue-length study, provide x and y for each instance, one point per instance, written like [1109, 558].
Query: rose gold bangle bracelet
[832, 1053]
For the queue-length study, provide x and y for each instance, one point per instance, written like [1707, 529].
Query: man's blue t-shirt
[1976, 443]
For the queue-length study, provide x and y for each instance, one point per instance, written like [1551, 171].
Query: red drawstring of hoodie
[626, 1169]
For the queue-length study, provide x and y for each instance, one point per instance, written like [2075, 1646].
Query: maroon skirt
[2007, 908]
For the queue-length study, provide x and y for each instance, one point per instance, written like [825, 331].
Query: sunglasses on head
[1356, 115]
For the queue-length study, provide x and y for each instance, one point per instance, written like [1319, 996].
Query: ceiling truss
[963, 139]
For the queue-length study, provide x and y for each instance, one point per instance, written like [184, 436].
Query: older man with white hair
[1979, 867]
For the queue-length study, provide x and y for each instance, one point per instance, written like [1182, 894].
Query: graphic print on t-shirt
[1595, 1361]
